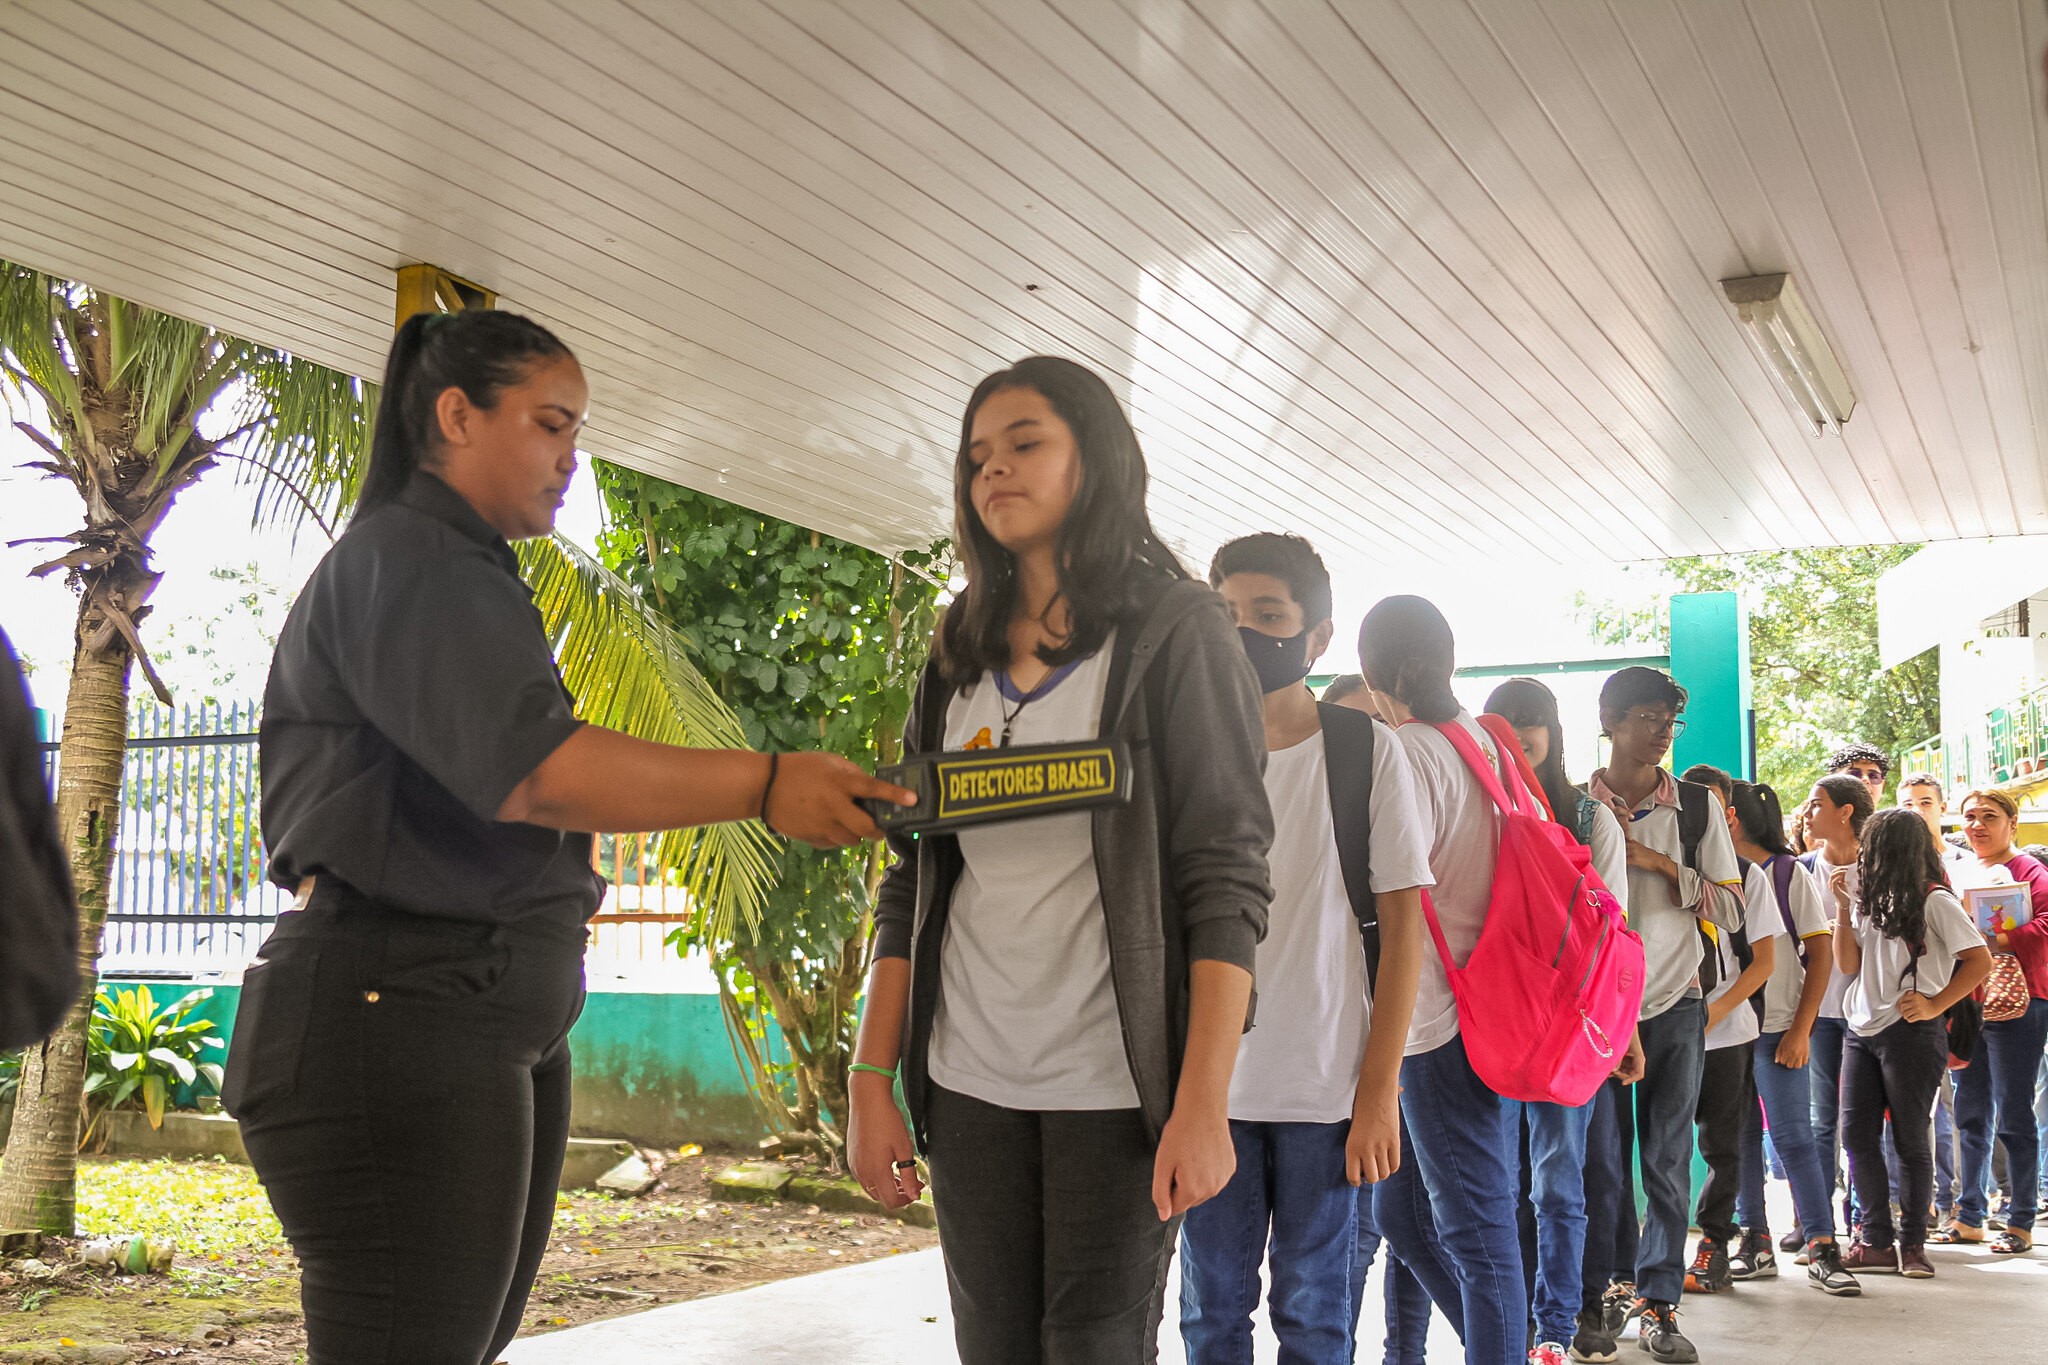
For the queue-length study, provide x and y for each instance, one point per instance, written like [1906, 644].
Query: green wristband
[878, 1070]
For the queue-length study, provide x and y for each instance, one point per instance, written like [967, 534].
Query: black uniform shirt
[412, 690]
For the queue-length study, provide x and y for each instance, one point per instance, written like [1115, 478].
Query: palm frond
[632, 671]
[308, 437]
[32, 305]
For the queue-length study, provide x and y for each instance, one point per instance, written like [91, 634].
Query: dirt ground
[609, 1255]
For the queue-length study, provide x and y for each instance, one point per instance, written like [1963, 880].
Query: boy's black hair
[1638, 686]
[1290, 559]
[1707, 775]
[1859, 753]
[1920, 780]
[1342, 686]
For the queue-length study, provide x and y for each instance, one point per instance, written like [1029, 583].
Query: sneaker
[1618, 1305]
[1709, 1271]
[1753, 1258]
[1794, 1240]
[1867, 1259]
[1594, 1344]
[1661, 1337]
[1547, 1353]
[1825, 1272]
[1914, 1265]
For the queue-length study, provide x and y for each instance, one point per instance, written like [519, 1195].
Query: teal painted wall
[655, 1068]
[1710, 660]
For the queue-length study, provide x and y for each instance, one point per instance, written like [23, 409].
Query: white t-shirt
[1890, 969]
[1299, 1063]
[1788, 976]
[1761, 921]
[1464, 829]
[1609, 849]
[1838, 980]
[1027, 1015]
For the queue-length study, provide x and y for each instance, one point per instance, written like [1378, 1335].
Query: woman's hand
[815, 798]
[1916, 1008]
[876, 1139]
[1372, 1149]
[1794, 1048]
[1838, 882]
[1195, 1161]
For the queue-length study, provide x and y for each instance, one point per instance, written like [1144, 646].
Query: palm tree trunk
[38, 1180]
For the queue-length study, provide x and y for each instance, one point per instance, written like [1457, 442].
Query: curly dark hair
[1895, 871]
[1859, 753]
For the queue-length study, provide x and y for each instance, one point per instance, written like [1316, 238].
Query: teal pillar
[1710, 660]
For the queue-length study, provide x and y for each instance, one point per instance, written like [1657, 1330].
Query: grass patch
[209, 1208]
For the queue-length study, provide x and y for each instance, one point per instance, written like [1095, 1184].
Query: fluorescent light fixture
[1784, 332]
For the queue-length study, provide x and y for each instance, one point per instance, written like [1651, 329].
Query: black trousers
[1899, 1069]
[1054, 1252]
[1727, 1093]
[403, 1091]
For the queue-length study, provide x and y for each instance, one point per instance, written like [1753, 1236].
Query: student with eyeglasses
[1864, 762]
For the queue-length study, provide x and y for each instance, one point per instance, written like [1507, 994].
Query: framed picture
[1999, 909]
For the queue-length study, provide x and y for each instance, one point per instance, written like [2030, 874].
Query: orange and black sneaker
[1709, 1272]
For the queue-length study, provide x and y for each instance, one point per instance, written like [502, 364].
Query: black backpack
[1695, 808]
[1348, 743]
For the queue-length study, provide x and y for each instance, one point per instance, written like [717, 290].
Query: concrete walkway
[893, 1312]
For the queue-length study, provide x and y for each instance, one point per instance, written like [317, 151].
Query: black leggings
[1898, 1068]
[403, 1090]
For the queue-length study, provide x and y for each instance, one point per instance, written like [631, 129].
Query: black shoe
[1594, 1344]
[1709, 1271]
[1753, 1258]
[1618, 1305]
[1792, 1241]
[1824, 1270]
[1661, 1337]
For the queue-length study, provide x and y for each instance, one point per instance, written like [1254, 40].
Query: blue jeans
[1407, 1301]
[1289, 1189]
[1996, 1092]
[1554, 1240]
[1947, 1186]
[1787, 1100]
[1612, 1228]
[1464, 1152]
[2041, 1121]
[1825, 1066]
[1667, 1097]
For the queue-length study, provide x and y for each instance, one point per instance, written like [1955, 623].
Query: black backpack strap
[1348, 741]
[1694, 808]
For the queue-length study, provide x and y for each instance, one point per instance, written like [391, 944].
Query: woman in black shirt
[400, 1065]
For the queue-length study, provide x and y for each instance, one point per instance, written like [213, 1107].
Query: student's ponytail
[1761, 816]
[1405, 649]
[480, 351]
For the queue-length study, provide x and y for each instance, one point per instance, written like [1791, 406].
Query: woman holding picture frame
[1995, 1094]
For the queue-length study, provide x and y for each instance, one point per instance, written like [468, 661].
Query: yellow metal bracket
[430, 289]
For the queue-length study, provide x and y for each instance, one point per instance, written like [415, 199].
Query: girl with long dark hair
[1776, 886]
[1062, 998]
[1836, 813]
[1453, 1207]
[1911, 952]
[400, 1066]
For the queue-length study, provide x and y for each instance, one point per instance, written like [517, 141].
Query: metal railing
[2008, 744]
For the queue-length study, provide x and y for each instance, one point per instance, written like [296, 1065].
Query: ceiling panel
[1422, 279]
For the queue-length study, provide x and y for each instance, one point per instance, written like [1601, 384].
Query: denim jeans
[1667, 1097]
[1787, 1101]
[1947, 1153]
[1407, 1302]
[1465, 1154]
[1054, 1252]
[1289, 1193]
[1612, 1228]
[1898, 1068]
[1554, 1218]
[1995, 1093]
[2041, 1121]
[1825, 1068]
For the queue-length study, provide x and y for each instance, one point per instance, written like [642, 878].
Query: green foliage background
[1813, 650]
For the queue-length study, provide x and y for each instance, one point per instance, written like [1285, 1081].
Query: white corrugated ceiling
[1405, 277]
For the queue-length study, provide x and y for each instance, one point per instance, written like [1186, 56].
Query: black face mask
[1280, 661]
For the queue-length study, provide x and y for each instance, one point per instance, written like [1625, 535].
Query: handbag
[2005, 994]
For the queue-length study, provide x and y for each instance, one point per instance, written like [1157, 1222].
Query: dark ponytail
[1762, 818]
[1405, 650]
[481, 351]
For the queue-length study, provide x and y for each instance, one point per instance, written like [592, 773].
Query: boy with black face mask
[1314, 1101]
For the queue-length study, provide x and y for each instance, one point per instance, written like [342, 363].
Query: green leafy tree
[1815, 677]
[814, 643]
[130, 407]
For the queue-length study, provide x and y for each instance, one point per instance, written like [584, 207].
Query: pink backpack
[1552, 991]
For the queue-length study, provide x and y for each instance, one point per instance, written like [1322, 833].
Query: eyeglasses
[1657, 722]
[1864, 774]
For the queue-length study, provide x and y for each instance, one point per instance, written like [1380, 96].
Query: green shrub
[138, 1053]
